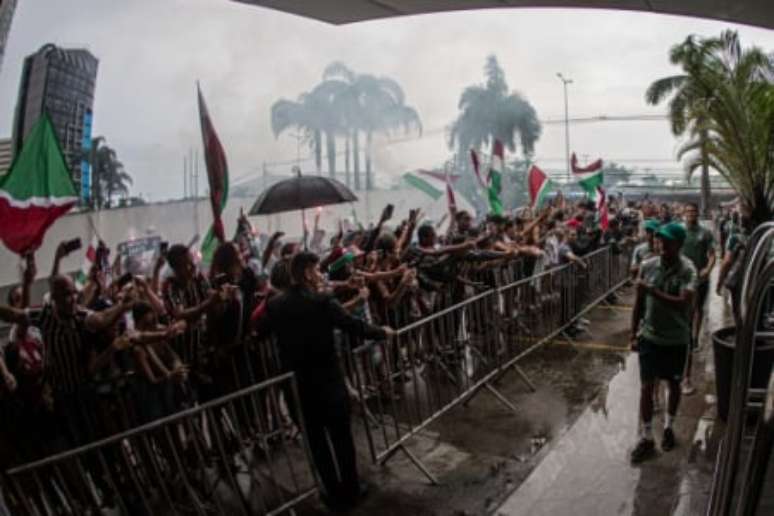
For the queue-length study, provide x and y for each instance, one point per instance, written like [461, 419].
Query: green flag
[422, 185]
[590, 183]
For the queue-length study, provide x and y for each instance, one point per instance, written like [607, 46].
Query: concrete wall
[179, 221]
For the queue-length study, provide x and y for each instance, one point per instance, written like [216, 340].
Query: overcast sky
[152, 52]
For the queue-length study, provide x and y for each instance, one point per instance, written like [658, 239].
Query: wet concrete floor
[566, 449]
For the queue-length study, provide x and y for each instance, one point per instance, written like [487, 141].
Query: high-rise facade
[7, 7]
[59, 82]
[6, 155]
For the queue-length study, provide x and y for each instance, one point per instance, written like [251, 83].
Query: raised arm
[12, 315]
[28, 278]
[270, 248]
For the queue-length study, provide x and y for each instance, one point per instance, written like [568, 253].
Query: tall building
[60, 82]
[6, 155]
[7, 7]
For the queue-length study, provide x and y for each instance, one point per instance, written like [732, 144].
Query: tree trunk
[318, 151]
[330, 140]
[356, 158]
[705, 180]
[347, 171]
[369, 171]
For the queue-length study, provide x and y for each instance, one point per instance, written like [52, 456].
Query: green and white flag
[423, 185]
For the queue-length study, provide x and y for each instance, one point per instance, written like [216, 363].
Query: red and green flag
[539, 186]
[36, 191]
[496, 178]
[217, 177]
[589, 177]
[604, 218]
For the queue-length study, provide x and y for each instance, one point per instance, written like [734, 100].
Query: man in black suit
[303, 320]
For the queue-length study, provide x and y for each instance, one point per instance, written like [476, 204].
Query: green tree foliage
[108, 176]
[489, 111]
[350, 106]
[724, 102]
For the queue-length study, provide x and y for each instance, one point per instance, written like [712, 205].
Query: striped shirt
[191, 345]
[67, 346]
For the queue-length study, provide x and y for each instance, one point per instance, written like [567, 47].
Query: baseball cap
[652, 225]
[672, 231]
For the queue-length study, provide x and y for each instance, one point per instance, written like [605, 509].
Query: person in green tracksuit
[661, 332]
[646, 249]
[699, 247]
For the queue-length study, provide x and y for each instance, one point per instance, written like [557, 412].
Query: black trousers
[331, 418]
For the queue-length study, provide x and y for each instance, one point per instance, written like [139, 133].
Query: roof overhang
[751, 12]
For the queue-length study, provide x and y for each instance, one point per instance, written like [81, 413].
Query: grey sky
[151, 53]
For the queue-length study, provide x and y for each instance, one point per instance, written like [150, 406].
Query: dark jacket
[303, 323]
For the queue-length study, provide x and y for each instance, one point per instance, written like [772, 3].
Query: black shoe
[644, 450]
[668, 442]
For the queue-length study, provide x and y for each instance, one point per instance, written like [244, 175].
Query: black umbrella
[300, 193]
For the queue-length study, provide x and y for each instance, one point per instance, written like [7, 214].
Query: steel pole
[566, 131]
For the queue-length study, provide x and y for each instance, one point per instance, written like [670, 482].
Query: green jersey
[667, 324]
[698, 244]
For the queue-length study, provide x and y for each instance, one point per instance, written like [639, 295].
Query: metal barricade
[431, 366]
[444, 360]
[211, 459]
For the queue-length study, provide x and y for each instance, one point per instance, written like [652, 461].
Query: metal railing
[227, 456]
[435, 364]
[233, 455]
[753, 329]
[760, 457]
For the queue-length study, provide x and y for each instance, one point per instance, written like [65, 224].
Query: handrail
[760, 456]
[760, 240]
[728, 458]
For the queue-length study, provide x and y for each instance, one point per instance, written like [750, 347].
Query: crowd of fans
[128, 349]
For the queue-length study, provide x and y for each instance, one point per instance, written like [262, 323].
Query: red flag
[591, 167]
[217, 168]
[604, 221]
[450, 194]
[539, 186]
[217, 177]
[477, 167]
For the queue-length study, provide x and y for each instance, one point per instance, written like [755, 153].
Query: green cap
[672, 231]
[652, 225]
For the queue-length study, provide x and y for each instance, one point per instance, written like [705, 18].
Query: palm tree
[725, 101]
[690, 99]
[108, 174]
[113, 177]
[369, 104]
[315, 115]
[488, 112]
[299, 114]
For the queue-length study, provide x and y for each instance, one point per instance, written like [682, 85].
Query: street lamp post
[565, 82]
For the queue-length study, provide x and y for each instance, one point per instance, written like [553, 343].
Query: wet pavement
[566, 450]
[588, 471]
